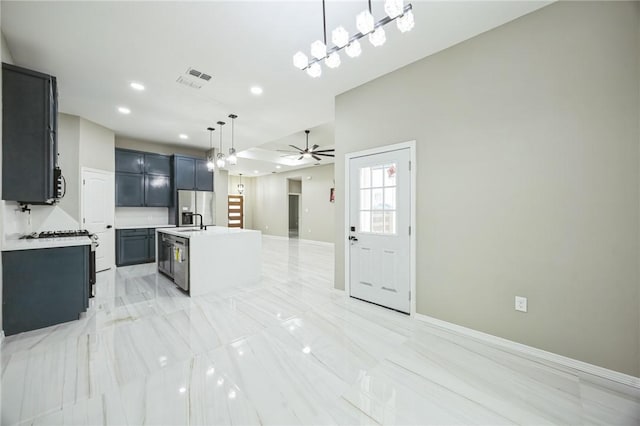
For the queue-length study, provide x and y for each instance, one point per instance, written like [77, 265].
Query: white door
[98, 211]
[379, 229]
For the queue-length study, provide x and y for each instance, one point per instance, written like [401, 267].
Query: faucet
[202, 226]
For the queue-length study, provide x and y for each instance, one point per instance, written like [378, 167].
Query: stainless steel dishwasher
[173, 252]
[181, 262]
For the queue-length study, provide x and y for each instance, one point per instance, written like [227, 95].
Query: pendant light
[232, 159]
[221, 161]
[240, 186]
[366, 25]
[210, 164]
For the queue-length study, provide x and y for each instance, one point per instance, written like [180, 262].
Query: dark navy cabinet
[130, 190]
[43, 287]
[157, 191]
[185, 172]
[29, 135]
[192, 174]
[157, 164]
[142, 179]
[129, 161]
[204, 176]
[135, 246]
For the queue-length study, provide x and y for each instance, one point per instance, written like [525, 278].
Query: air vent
[193, 78]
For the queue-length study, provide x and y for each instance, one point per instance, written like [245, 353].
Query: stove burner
[58, 234]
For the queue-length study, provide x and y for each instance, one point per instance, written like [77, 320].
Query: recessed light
[256, 171]
[183, 136]
[278, 166]
[137, 86]
[124, 110]
[256, 90]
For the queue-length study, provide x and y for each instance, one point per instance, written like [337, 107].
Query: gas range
[58, 234]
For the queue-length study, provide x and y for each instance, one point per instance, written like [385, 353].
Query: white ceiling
[97, 48]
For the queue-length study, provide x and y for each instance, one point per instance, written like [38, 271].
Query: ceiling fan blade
[301, 157]
[324, 155]
[315, 157]
[313, 148]
[293, 146]
[325, 150]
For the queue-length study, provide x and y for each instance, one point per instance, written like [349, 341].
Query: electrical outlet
[521, 304]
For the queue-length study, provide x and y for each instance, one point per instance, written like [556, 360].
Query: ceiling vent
[193, 78]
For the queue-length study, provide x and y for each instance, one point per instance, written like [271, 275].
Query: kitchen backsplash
[136, 216]
[39, 218]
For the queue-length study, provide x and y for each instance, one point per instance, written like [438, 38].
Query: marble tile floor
[287, 350]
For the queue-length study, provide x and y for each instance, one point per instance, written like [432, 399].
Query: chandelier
[395, 10]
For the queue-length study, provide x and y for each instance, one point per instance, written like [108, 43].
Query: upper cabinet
[29, 136]
[204, 176]
[129, 161]
[142, 179]
[185, 172]
[192, 174]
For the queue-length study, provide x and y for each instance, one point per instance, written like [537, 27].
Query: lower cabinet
[43, 287]
[135, 246]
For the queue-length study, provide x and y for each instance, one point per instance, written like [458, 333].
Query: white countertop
[211, 231]
[144, 226]
[43, 243]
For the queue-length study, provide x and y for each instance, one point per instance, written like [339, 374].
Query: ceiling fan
[313, 152]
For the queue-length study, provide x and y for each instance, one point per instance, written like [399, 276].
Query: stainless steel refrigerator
[196, 202]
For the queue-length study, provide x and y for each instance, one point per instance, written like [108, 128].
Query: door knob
[352, 238]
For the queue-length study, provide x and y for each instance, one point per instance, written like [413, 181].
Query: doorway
[380, 249]
[294, 215]
[98, 211]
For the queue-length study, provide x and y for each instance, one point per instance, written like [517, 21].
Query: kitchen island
[201, 261]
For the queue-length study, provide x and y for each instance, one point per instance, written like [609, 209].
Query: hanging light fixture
[366, 25]
[232, 159]
[210, 164]
[220, 157]
[240, 186]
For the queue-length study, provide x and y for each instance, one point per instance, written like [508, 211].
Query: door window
[378, 199]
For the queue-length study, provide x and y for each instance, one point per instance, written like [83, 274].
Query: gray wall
[316, 212]
[69, 160]
[160, 148]
[528, 178]
[97, 145]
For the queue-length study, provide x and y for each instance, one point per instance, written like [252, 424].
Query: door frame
[411, 145]
[112, 176]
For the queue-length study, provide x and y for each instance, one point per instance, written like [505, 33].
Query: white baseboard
[538, 353]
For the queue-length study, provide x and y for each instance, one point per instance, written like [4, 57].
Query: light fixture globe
[393, 8]
[340, 37]
[353, 49]
[318, 49]
[220, 162]
[333, 60]
[378, 37]
[210, 165]
[300, 60]
[406, 22]
[314, 70]
[232, 159]
[306, 155]
[365, 22]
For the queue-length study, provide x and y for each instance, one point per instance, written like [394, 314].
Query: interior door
[379, 229]
[98, 213]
